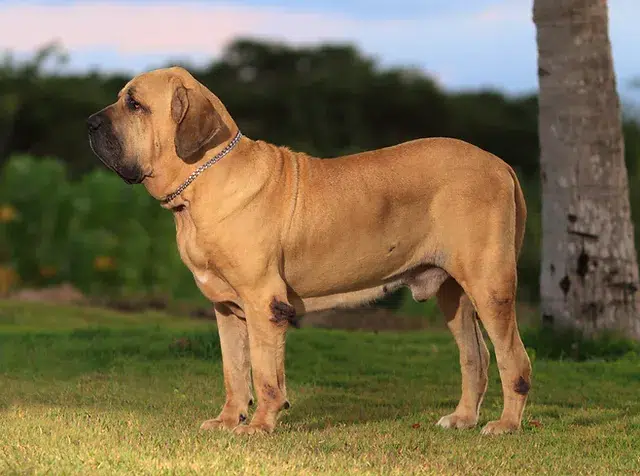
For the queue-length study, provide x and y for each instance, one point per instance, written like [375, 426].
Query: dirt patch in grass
[64, 293]
[369, 319]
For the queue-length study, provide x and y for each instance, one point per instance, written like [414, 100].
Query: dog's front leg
[267, 322]
[234, 343]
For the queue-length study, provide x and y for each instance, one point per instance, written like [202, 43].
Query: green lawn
[90, 391]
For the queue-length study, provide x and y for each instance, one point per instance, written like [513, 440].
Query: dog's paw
[217, 424]
[252, 429]
[223, 423]
[460, 422]
[498, 427]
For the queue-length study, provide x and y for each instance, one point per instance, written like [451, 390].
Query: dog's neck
[200, 169]
[172, 187]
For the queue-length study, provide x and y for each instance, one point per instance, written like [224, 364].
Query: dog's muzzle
[106, 146]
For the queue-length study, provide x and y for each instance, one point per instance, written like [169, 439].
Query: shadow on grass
[596, 419]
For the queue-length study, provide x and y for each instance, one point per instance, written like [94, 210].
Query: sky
[463, 44]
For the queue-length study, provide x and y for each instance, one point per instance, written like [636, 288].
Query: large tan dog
[270, 233]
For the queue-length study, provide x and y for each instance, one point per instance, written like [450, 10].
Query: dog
[270, 234]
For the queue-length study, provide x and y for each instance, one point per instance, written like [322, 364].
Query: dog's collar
[194, 175]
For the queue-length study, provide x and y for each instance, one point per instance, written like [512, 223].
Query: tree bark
[589, 269]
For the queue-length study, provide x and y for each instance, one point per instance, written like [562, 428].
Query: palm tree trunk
[589, 269]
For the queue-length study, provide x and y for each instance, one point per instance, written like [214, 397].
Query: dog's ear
[198, 123]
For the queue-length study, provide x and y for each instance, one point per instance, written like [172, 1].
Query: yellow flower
[7, 213]
[48, 271]
[8, 278]
[104, 263]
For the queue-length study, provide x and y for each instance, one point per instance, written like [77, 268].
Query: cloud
[518, 12]
[189, 27]
[204, 28]
[137, 33]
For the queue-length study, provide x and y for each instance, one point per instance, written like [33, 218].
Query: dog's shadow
[319, 410]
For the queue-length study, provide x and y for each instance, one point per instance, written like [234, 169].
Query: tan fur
[267, 227]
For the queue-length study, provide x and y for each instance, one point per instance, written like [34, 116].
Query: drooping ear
[199, 124]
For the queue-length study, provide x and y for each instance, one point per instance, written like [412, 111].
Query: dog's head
[161, 120]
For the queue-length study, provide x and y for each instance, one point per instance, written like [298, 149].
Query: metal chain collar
[194, 175]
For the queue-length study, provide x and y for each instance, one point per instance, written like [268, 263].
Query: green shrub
[35, 240]
[105, 237]
[569, 344]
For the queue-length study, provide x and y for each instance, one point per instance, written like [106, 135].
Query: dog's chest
[196, 255]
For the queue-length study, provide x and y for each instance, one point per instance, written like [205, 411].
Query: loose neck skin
[166, 180]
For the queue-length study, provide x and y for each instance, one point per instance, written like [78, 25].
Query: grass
[87, 391]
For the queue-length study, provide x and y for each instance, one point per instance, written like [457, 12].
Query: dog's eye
[132, 104]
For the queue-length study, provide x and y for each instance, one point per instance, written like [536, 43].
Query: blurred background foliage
[65, 218]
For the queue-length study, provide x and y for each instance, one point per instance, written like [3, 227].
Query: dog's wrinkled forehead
[158, 85]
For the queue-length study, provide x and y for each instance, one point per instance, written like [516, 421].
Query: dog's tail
[521, 211]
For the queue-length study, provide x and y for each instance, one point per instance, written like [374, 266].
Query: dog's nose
[94, 122]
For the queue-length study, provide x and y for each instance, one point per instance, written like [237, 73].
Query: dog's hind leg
[474, 356]
[484, 265]
[490, 278]
[234, 343]
[494, 296]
